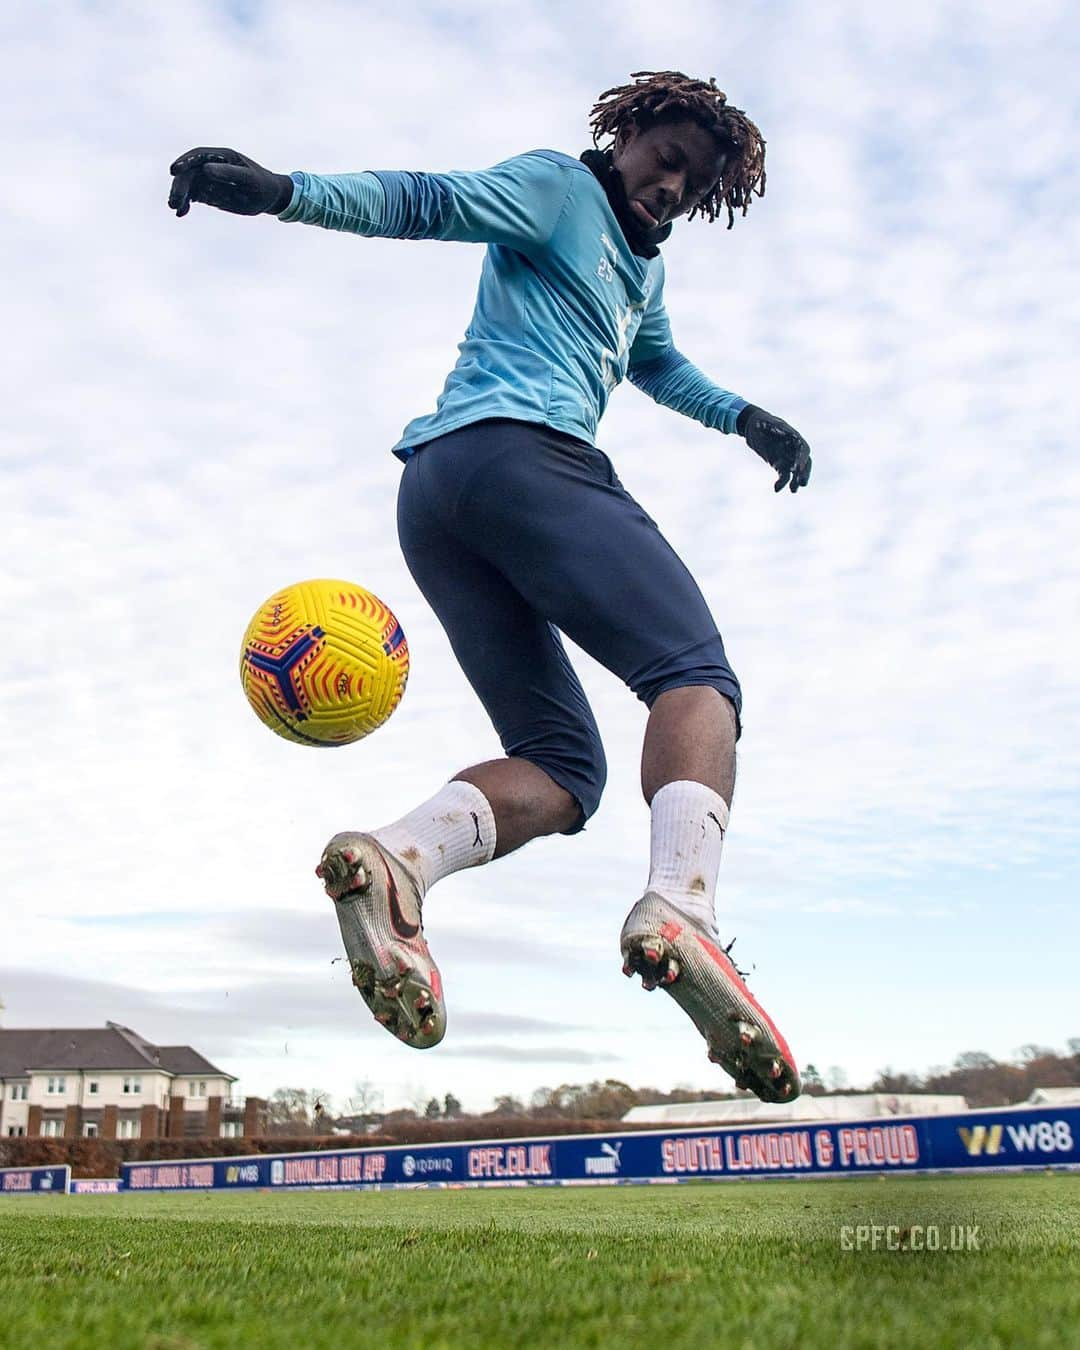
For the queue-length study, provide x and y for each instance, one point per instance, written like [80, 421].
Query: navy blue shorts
[514, 532]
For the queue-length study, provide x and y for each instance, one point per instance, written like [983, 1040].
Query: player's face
[667, 169]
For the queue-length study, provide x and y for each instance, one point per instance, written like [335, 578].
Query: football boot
[378, 901]
[674, 951]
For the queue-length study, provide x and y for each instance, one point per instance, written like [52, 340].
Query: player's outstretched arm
[228, 180]
[660, 370]
[516, 203]
[677, 383]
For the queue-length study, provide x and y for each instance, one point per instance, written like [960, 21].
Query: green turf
[732, 1264]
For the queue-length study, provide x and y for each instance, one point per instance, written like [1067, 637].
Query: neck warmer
[644, 243]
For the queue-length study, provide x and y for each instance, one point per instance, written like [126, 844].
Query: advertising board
[1027, 1137]
[34, 1180]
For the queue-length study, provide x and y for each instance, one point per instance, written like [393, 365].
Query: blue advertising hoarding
[1028, 1137]
[34, 1180]
[1038, 1136]
[94, 1186]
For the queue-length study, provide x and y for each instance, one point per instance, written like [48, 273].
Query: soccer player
[515, 527]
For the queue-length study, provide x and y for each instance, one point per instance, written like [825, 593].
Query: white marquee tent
[846, 1106]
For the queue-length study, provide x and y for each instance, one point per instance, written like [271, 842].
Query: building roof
[1055, 1096]
[847, 1106]
[113, 1046]
[182, 1059]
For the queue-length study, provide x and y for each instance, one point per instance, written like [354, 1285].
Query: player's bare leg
[670, 938]
[690, 735]
[525, 801]
[378, 882]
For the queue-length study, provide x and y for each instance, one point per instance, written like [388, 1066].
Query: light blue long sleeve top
[565, 310]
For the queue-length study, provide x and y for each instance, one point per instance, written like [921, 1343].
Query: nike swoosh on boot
[378, 905]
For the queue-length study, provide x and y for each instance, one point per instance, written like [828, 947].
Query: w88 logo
[1044, 1136]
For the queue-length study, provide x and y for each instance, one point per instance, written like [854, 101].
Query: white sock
[689, 821]
[454, 830]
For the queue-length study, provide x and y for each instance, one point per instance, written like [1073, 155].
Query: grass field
[733, 1264]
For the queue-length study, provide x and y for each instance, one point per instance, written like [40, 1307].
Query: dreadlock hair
[670, 96]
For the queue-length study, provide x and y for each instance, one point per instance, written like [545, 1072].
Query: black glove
[777, 444]
[228, 180]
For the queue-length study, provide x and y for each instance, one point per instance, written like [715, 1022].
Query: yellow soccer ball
[324, 662]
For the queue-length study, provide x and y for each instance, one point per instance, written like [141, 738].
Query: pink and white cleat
[378, 908]
[672, 951]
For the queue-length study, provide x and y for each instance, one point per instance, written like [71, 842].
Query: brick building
[112, 1083]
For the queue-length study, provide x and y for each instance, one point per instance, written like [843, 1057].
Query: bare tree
[1031, 1051]
[508, 1106]
[974, 1059]
[366, 1099]
[888, 1080]
[418, 1097]
[295, 1110]
[812, 1084]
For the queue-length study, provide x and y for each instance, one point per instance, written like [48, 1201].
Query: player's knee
[573, 757]
[585, 781]
[718, 677]
[580, 766]
[596, 777]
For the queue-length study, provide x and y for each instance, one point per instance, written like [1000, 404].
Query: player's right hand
[228, 180]
[778, 444]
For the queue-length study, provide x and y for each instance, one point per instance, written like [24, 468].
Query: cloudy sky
[199, 411]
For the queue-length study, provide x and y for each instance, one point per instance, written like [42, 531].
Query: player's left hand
[778, 444]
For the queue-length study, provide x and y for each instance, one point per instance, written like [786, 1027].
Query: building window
[196, 1089]
[15, 1131]
[19, 1091]
[90, 1130]
[53, 1129]
[56, 1087]
[132, 1087]
[92, 1087]
[232, 1129]
[127, 1129]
